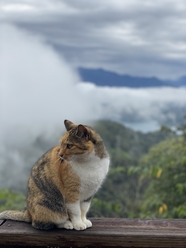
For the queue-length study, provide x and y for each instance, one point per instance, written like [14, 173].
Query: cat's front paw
[88, 223]
[68, 225]
[79, 226]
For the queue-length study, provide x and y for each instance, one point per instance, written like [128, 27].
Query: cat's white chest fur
[92, 171]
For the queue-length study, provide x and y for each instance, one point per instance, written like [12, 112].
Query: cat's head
[78, 141]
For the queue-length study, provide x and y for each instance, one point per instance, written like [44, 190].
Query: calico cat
[64, 180]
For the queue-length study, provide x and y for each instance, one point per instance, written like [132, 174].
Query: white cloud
[159, 105]
[38, 88]
[17, 8]
[141, 38]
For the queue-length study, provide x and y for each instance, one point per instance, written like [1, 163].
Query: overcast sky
[140, 38]
[43, 42]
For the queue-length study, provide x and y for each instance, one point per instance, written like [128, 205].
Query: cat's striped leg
[85, 205]
[74, 212]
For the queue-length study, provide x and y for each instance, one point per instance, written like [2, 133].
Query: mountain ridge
[101, 77]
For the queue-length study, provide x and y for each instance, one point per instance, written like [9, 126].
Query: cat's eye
[69, 146]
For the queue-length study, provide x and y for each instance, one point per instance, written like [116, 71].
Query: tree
[163, 169]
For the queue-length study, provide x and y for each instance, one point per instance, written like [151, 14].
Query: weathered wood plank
[1, 222]
[104, 233]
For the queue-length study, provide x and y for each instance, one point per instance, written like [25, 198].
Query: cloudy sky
[144, 38]
[42, 43]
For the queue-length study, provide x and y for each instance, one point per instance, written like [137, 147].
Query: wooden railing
[104, 233]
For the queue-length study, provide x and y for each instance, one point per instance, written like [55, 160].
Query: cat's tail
[15, 215]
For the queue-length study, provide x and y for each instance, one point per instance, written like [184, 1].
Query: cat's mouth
[61, 159]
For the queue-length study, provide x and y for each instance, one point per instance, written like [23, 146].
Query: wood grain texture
[104, 233]
[1, 222]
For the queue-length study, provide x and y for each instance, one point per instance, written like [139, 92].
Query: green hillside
[116, 136]
[122, 193]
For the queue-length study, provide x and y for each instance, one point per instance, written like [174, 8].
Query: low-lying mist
[38, 90]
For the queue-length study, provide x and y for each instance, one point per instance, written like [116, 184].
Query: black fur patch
[42, 226]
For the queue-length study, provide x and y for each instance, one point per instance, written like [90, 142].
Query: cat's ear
[82, 132]
[68, 124]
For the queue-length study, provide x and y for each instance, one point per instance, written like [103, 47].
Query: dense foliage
[10, 199]
[164, 168]
[146, 177]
